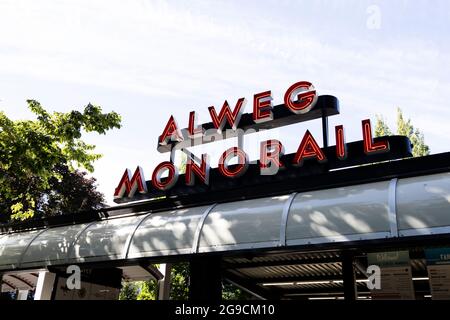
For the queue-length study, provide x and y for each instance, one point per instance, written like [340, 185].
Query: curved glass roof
[339, 214]
[51, 246]
[13, 246]
[104, 240]
[167, 233]
[249, 223]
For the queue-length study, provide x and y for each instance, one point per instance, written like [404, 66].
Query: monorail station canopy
[313, 230]
[291, 245]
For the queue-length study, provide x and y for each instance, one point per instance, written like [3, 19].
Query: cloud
[195, 55]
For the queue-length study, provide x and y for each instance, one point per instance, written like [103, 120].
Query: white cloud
[195, 57]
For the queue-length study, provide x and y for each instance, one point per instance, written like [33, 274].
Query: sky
[148, 60]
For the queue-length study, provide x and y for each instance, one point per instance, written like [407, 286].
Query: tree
[129, 291]
[147, 290]
[179, 284]
[230, 292]
[138, 290]
[404, 128]
[74, 192]
[381, 128]
[179, 287]
[36, 155]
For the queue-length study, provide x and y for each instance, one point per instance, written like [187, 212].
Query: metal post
[349, 276]
[164, 283]
[173, 154]
[205, 279]
[324, 129]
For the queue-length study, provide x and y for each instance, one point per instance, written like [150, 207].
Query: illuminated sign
[301, 103]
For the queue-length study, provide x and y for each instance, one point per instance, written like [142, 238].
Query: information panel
[438, 260]
[396, 275]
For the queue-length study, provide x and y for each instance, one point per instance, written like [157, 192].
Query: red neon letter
[308, 149]
[262, 107]
[226, 115]
[341, 148]
[306, 97]
[240, 168]
[201, 172]
[171, 132]
[371, 147]
[194, 132]
[129, 184]
[169, 181]
[269, 161]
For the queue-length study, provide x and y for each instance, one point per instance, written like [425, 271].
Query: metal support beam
[421, 287]
[205, 279]
[173, 154]
[302, 279]
[164, 283]
[248, 286]
[268, 264]
[362, 268]
[349, 276]
[321, 292]
[155, 272]
[325, 128]
[240, 138]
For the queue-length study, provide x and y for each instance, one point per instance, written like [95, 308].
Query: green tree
[129, 291]
[381, 127]
[179, 287]
[138, 290]
[230, 292]
[33, 153]
[74, 192]
[147, 290]
[179, 281]
[404, 128]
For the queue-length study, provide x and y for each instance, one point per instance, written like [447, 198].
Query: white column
[22, 295]
[164, 283]
[44, 287]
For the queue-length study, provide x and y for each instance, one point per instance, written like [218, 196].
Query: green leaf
[32, 153]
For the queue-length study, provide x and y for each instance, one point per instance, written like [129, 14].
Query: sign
[438, 260]
[228, 123]
[396, 275]
[301, 103]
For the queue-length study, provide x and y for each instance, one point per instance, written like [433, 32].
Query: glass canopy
[410, 206]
